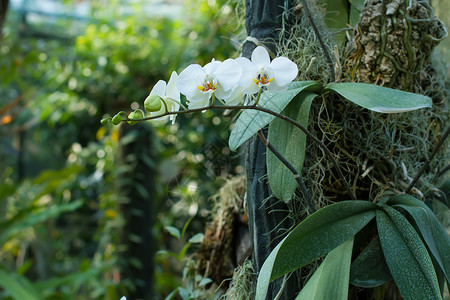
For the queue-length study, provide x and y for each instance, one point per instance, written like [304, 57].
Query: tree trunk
[267, 215]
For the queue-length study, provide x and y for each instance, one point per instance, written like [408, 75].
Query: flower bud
[138, 113]
[117, 119]
[105, 121]
[153, 103]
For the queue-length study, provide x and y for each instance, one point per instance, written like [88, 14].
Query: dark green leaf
[378, 98]
[356, 6]
[431, 230]
[314, 237]
[406, 256]
[330, 280]
[250, 121]
[370, 269]
[336, 17]
[291, 143]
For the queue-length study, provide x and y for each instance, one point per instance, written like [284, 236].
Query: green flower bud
[153, 103]
[138, 113]
[117, 119]
[105, 121]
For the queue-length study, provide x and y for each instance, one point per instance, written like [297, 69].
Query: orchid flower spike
[164, 97]
[199, 83]
[261, 72]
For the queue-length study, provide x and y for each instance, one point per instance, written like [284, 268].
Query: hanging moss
[379, 153]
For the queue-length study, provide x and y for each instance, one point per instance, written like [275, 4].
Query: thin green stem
[280, 116]
[258, 97]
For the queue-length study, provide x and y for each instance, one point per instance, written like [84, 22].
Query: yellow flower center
[208, 84]
[263, 76]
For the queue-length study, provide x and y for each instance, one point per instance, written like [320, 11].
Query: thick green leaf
[18, 286]
[406, 256]
[370, 269]
[336, 17]
[330, 280]
[378, 98]
[291, 143]
[431, 230]
[356, 6]
[314, 237]
[250, 121]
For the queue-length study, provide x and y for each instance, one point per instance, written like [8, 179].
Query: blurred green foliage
[59, 197]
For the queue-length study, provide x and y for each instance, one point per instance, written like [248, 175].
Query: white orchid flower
[260, 71]
[199, 83]
[167, 93]
[236, 96]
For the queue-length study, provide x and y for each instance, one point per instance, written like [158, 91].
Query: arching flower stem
[258, 96]
[280, 116]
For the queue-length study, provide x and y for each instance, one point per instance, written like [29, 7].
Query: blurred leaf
[378, 98]
[183, 293]
[406, 256]
[21, 222]
[330, 280]
[291, 143]
[185, 227]
[197, 238]
[18, 286]
[250, 121]
[370, 269]
[172, 294]
[322, 231]
[435, 236]
[173, 231]
[76, 279]
[183, 251]
[205, 281]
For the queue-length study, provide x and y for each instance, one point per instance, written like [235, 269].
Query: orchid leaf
[314, 237]
[406, 256]
[429, 227]
[378, 98]
[356, 6]
[291, 143]
[250, 121]
[370, 269]
[336, 17]
[330, 280]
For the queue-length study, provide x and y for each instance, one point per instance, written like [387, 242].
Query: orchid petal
[171, 89]
[211, 67]
[201, 100]
[159, 89]
[248, 86]
[260, 56]
[275, 88]
[284, 71]
[236, 97]
[187, 78]
[221, 94]
[228, 74]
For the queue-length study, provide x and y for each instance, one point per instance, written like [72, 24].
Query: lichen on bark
[392, 43]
